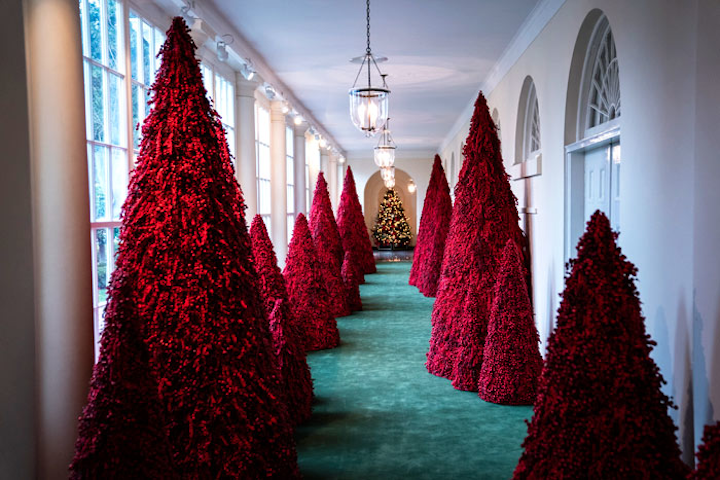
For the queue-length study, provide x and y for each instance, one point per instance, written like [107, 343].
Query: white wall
[417, 165]
[668, 215]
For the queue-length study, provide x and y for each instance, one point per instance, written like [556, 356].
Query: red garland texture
[511, 358]
[296, 383]
[122, 428]
[351, 277]
[708, 455]
[600, 412]
[351, 223]
[434, 226]
[306, 288]
[484, 217]
[184, 274]
[328, 247]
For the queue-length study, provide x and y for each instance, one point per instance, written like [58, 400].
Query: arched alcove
[373, 195]
[592, 129]
[527, 139]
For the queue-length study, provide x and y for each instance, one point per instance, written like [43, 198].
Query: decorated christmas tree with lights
[391, 227]
[184, 296]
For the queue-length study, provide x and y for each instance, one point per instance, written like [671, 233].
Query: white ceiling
[440, 52]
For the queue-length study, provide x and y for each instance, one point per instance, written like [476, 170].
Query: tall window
[222, 94]
[290, 166]
[107, 134]
[145, 42]
[603, 90]
[262, 166]
[112, 139]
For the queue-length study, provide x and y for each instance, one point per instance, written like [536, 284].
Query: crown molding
[535, 22]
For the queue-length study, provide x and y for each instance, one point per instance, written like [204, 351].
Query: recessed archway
[373, 195]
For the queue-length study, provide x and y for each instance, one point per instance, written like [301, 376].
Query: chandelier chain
[368, 27]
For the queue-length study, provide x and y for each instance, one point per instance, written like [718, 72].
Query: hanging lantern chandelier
[387, 173]
[390, 182]
[384, 154]
[368, 104]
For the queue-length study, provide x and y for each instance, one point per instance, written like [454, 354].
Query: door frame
[575, 183]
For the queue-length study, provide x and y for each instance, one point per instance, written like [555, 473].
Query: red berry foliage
[306, 288]
[351, 275]
[512, 362]
[289, 350]
[351, 223]
[484, 217]
[600, 412]
[328, 247]
[122, 428]
[184, 273]
[708, 455]
[434, 226]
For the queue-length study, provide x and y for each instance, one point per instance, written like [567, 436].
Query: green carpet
[380, 415]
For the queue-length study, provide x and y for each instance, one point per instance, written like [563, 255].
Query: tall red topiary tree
[351, 274]
[184, 274]
[600, 412]
[511, 357]
[484, 217]
[708, 455]
[351, 223]
[328, 247]
[122, 428]
[289, 349]
[434, 226]
[306, 289]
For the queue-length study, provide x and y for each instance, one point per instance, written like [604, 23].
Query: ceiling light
[390, 183]
[368, 104]
[341, 159]
[387, 173]
[298, 119]
[285, 109]
[323, 143]
[412, 187]
[384, 152]
[269, 92]
[247, 70]
[222, 52]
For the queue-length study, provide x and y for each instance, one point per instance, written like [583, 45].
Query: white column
[63, 295]
[314, 169]
[245, 142]
[324, 161]
[299, 152]
[332, 178]
[278, 180]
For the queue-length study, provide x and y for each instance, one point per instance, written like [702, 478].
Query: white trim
[529, 168]
[533, 25]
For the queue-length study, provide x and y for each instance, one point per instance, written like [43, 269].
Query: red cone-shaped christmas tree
[434, 226]
[391, 227]
[484, 217]
[184, 274]
[511, 358]
[328, 247]
[289, 349]
[351, 225]
[708, 455]
[350, 275]
[600, 412]
[122, 429]
[306, 288]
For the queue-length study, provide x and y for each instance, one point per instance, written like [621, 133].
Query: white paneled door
[602, 182]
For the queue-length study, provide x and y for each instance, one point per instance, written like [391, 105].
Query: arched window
[600, 94]
[528, 142]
